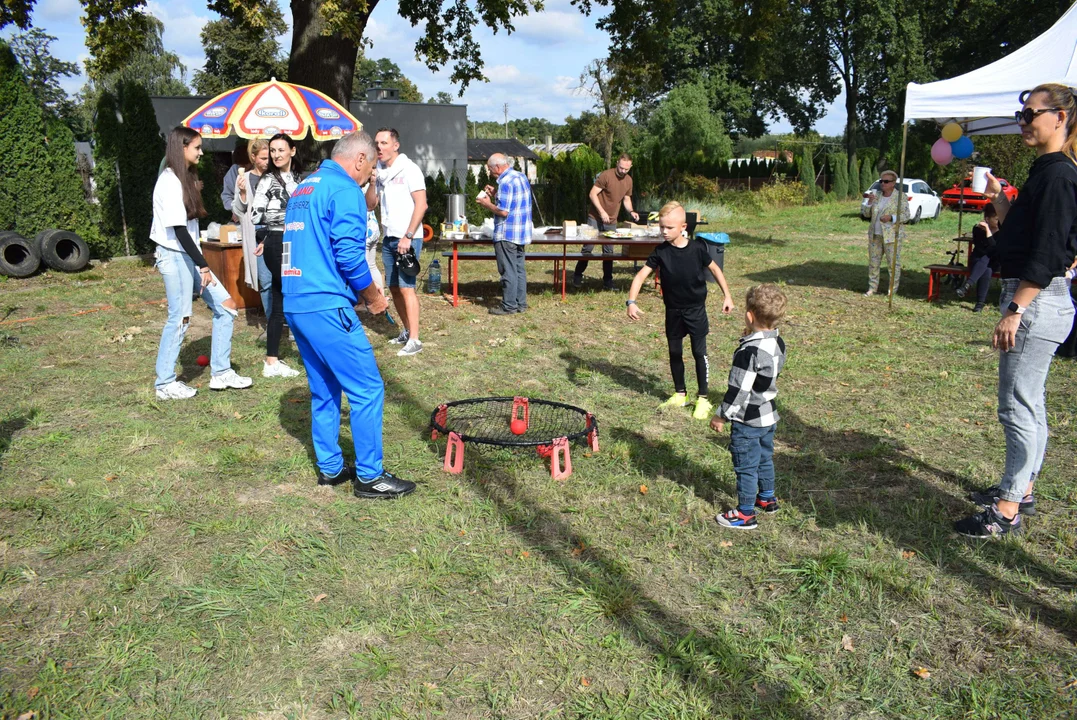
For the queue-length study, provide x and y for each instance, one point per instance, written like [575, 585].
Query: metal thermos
[455, 208]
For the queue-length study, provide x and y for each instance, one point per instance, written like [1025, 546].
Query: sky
[535, 70]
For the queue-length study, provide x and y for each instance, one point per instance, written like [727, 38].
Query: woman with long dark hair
[1036, 246]
[982, 259]
[267, 209]
[177, 206]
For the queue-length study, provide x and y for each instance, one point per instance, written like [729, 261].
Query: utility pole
[506, 109]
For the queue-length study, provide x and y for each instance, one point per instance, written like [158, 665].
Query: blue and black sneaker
[988, 496]
[988, 524]
[737, 520]
[767, 505]
[384, 487]
[346, 474]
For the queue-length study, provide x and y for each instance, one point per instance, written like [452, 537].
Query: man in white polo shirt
[401, 189]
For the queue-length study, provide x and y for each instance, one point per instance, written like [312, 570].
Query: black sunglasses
[888, 181]
[1028, 114]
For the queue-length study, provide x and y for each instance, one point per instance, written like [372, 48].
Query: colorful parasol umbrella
[265, 109]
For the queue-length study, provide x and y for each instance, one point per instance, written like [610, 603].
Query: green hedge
[40, 187]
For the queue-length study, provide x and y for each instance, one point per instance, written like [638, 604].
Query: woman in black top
[1036, 246]
[268, 208]
[982, 260]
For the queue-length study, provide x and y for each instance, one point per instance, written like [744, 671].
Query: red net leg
[561, 460]
[454, 454]
[440, 418]
[592, 434]
[521, 402]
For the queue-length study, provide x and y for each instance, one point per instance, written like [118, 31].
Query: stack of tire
[59, 249]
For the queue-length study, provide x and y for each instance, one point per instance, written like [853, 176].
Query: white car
[923, 201]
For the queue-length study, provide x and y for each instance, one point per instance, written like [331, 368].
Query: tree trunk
[323, 62]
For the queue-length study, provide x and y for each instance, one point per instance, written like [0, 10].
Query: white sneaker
[278, 369]
[229, 379]
[413, 347]
[400, 339]
[176, 390]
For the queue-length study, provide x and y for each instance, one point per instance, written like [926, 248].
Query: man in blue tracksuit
[323, 273]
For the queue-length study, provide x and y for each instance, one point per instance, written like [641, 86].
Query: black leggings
[980, 269]
[272, 250]
[691, 322]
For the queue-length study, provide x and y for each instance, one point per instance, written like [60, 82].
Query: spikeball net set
[549, 427]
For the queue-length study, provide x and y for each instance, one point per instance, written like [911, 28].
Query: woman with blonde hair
[889, 213]
[256, 273]
[1036, 245]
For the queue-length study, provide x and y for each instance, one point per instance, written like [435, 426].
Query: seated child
[749, 405]
[682, 262]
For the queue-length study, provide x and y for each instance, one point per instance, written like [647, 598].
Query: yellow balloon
[951, 132]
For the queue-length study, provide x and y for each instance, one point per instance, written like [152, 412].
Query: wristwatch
[1015, 308]
[409, 235]
[629, 302]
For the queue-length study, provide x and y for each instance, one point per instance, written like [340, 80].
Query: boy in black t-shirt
[682, 263]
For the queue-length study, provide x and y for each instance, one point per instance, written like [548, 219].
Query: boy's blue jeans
[752, 449]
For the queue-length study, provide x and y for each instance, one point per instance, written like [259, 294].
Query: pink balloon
[941, 152]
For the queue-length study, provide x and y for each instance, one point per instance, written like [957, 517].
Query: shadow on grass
[742, 239]
[9, 427]
[890, 500]
[623, 375]
[707, 662]
[189, 370]
[887, 497]
[843, 276]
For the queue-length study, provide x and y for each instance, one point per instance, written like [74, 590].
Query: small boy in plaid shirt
[749, 406]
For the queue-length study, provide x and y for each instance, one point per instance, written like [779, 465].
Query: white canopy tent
[984, 101]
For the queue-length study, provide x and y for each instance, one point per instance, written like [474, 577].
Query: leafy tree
[867, 173]
[43, 71]
[753, 69]
[238, 53]
[682, 129]
[441, 98]
[128, 149]
[610, 123]
[382, 72]
[25, 192]
[839, 166]
[807, 177]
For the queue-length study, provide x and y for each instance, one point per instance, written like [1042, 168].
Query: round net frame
[487, 421]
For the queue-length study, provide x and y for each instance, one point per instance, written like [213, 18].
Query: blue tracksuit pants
[338, 359]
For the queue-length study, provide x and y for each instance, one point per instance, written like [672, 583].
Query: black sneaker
[346, 474]
[501, 311]
[988, 524]
[767, 505]
[384, 487]
[979, 307]
[988, 496]
[609, 286]
[577, 281]
[963, 290]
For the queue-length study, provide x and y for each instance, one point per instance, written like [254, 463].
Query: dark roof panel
[480, 150]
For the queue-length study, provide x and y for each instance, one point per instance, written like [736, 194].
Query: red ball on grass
[518, 426]
[203, 360]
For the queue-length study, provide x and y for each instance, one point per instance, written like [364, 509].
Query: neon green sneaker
[676, 400]
[703, 409]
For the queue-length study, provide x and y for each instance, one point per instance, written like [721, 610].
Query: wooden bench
[560, 273]
[934, 281]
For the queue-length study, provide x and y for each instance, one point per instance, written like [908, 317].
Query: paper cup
[979, 178]
[481, 195]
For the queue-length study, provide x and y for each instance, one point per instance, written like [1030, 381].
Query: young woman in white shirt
[177, 206]
[268, 208]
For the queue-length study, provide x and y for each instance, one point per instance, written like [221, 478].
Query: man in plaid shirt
[512, 231]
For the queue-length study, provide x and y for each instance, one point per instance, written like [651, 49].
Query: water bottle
[433, 278]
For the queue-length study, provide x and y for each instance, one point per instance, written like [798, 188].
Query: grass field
[177, 560]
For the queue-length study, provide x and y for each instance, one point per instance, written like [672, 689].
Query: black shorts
[687, 321]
